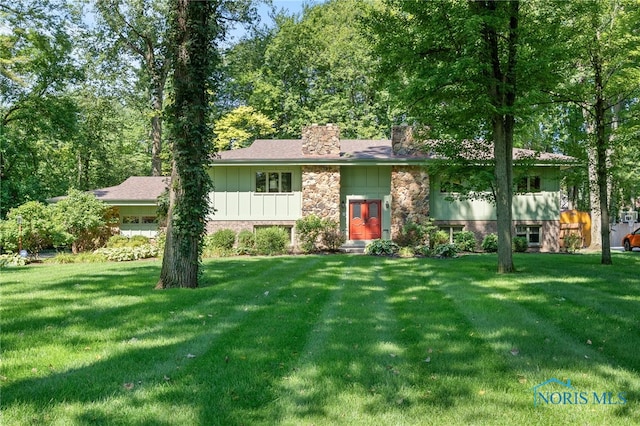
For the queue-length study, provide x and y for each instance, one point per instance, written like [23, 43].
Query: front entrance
[364, 219]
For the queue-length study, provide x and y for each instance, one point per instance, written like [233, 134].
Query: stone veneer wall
[321, 191]
[321, 140]
[409, 196]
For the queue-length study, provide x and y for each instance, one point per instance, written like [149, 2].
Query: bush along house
[373, 187]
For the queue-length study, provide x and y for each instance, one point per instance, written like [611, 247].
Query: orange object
[575, 221]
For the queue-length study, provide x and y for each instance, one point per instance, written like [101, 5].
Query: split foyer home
[370, 187]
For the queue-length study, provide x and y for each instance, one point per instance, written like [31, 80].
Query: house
[371, 188]
[135, 202]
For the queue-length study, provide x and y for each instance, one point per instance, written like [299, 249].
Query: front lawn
[324, 340]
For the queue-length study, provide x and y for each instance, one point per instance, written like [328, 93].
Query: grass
[322, 340]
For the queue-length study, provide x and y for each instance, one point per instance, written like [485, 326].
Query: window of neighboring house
[273, 182]
[530, 232]
[130, 219]
[452, 230]
[528, 184]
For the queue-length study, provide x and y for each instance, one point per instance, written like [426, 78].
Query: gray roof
[140, 190]
[362, 150]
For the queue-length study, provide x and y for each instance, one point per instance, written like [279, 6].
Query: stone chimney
[402, 140]
[321, 140]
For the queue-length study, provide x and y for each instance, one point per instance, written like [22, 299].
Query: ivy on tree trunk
[190, 139]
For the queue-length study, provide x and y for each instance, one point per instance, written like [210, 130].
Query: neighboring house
[135, 202]
[371, 187]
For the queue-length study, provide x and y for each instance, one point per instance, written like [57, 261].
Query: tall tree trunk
[158, 79]
[190, 136]
[502, 92]
[602, 151]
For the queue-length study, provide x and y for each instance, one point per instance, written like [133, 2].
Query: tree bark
[190, 137]
[502, 94]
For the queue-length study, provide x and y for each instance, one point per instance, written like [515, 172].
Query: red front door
[364, 219]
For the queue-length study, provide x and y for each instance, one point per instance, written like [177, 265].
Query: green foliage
[271, 241]
[13, 259]
[520, 244]
[246, 242]
[317, 68]
[313, 233]
[39, 230]
[122, 254]
[381, 248]
[84, 257]
[446, 250]
[221, 239]
[331, 236]
[116, 241]
[465, 241]
[572, 242]
[308, 230]
[490, 243]
[220, 243]
[406, 252]
[240, 127]
[85, 219]
[438, 237]
[415, 234]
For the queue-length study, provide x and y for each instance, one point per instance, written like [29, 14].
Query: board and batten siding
[534, 206]
[235, 198]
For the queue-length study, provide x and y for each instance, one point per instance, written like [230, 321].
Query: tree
[604, 82]
[36, 67]
[140, 29]
[314, 68]
[194, 28]
[459, 68]
[240, 127]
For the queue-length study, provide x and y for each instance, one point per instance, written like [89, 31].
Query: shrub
[38, 229]
[438, 237]
[138, 240]
[246, 242]
[520, 244]
[414, 234]
[572, 242]
[308, 230]
[465, 241]
[86, 257]
[86, 220]
[12, 260]
[221, 239]
[122, 254]
[446, 250]
[331, 236]
[271, 241]
[406, 252]
[490, 243]
[381, 248]
[117, 241]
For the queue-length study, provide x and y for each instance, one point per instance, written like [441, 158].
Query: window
[130, 219]
[531, 233]
[273, 182]
[528, 184]
[452, 230]
[149, 219]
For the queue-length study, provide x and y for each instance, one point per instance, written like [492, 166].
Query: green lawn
[324, 340]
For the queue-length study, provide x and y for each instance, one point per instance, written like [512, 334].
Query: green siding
[543, 205]
[366, 182]
[234, 195]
